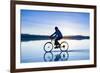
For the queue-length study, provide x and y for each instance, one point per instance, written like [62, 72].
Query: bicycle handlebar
[51, 38]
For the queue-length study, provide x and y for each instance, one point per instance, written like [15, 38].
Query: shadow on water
[56, 56]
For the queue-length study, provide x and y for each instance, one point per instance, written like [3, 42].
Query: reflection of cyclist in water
[57, 35]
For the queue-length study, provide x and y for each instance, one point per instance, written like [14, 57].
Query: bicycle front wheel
[64, 46]
[48, 46]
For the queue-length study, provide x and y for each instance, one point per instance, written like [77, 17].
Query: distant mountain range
[28, 37]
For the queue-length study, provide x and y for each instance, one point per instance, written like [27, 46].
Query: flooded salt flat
[32, 51]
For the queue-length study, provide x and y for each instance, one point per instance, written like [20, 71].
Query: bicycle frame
[53, 41]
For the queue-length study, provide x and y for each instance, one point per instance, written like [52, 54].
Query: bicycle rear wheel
[64, 46]
[48, 47]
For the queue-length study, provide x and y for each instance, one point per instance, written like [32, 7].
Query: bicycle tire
[64, 42]
[48, 47]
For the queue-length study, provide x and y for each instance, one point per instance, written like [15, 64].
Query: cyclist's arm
[53, 34]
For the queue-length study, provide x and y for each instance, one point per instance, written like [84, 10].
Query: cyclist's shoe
[55, 47]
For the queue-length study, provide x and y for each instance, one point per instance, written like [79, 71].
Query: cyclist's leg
[58, 41]
[57, 44]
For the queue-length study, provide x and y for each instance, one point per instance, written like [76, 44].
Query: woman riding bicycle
[57, 35]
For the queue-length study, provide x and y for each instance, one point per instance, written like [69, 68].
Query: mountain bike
[49, 46]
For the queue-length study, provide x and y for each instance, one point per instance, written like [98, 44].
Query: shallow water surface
[32, 51]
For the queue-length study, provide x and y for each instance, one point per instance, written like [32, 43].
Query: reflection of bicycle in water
[60, 56]
[49, 46]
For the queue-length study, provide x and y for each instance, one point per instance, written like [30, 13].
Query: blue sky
[44, 22]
